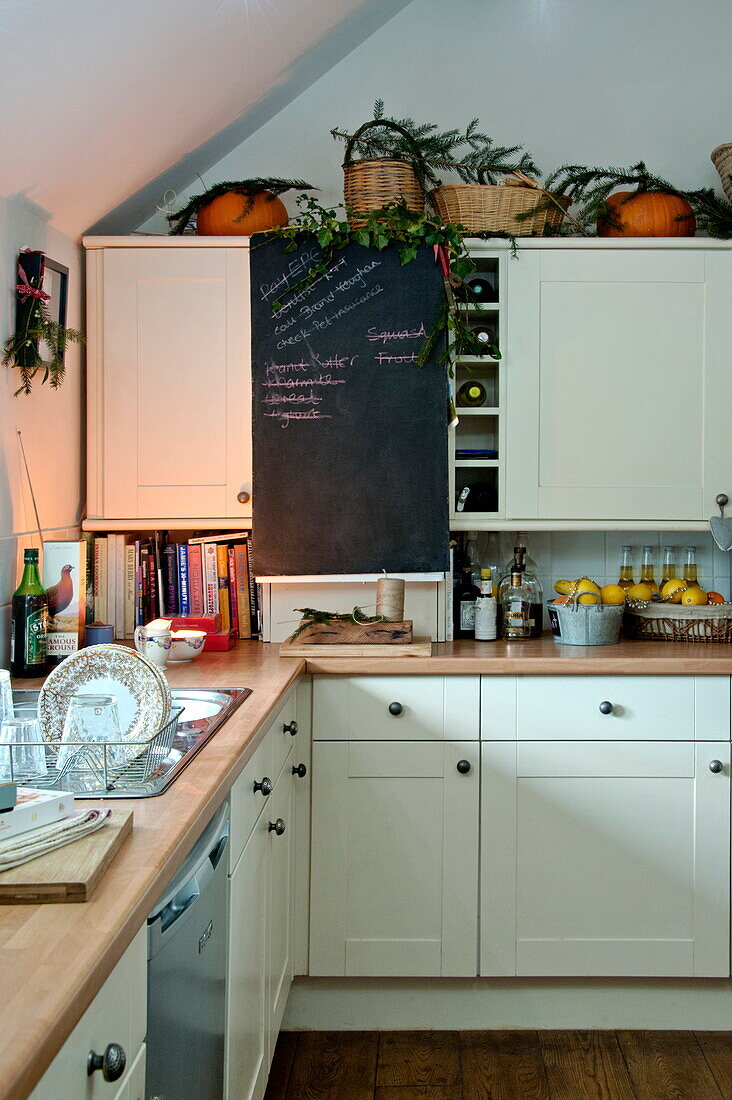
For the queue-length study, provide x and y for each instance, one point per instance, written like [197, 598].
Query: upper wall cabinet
[618, 383]
[169, 390]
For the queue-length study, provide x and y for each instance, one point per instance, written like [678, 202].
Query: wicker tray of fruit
[684, 613]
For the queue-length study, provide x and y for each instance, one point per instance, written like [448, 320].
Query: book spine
[184, 592]
[119, 593]
[241, 566]
[253, 593]
[130, 590]
[88, 538]
[210, 579]
[170, 578]
[82, 585]
[195, 581]
[159, 589]
[152, 575]
[449, 597]
[100, 580]
[222, 573]
[138, 583]
[233, 594]
[145, 582]
[112, 582]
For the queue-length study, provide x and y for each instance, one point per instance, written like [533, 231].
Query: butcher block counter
[55, 958]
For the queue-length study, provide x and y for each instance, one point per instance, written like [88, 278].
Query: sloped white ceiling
[104, 103]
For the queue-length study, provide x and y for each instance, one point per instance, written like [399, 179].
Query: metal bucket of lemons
[582, 616]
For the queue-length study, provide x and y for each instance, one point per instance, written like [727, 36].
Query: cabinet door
[394, 865]
[396, 708]
[612, 375]
[169, 383]
[605, 859]
[279, 961]
[247, 1031]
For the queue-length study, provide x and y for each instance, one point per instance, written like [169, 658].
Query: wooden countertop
[55, 958]
[543, 656]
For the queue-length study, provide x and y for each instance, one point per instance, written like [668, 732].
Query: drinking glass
[6, 695]
[91, 719]
[28, 760]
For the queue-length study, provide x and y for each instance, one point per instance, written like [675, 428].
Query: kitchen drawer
[246, 803]
[567, 708]
[283, 734]
[396, 708]
[118, 1014]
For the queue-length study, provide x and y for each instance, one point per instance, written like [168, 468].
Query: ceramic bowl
[186, 645]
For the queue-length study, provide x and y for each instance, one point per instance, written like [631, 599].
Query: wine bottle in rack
[478, 287]
[485, 336]
[471, 395]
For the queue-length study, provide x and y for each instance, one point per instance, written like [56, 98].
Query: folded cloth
[38, 842]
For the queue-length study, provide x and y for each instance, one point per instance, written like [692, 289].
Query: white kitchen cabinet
[605, 859]
[279, 905]
[396, 708]
[394, 868]
[118, 1014]
[168, 383]
[618, 387]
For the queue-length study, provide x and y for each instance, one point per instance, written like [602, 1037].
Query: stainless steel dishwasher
[186, 974]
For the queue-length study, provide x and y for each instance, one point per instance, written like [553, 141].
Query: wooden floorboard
[585, 1065]
[411, 1058]
[668, 1065]
[420, 1092]
[717, 1049]
[334, 1065]
[502, 1065]
[282, 1062]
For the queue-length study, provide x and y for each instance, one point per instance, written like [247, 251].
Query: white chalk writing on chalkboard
[402, 334]
[286, 415]
[295, 270]
[383, 357]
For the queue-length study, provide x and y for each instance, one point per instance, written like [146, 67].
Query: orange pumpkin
[227, 216]
[647, 214]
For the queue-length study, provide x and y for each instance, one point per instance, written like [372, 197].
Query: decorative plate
[140, 688]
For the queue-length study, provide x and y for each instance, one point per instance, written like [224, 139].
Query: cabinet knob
[716, 766]
[266, 786]
[112, 1063]
[243, 497]
[463, 766]
[277, 827]
[290, 727]
[606, 707]
[395, 708]
[299, 770]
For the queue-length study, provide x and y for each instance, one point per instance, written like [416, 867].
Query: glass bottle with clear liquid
[522, 563]
[517, 618]
[668, 569]
[625, 580]
[648, 570]
[690, 568]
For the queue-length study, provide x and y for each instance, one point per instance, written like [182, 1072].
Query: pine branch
[247, 188]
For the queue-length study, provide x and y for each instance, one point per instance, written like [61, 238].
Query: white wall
[581, 81]
[50, 420]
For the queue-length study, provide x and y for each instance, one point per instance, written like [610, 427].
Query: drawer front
[118, 1014]
[396, 708]
[606, 708]
[283, 734]
[246, 803]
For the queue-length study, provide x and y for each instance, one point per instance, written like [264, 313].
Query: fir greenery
[590, 188]
[470, 153]
[249, 188]
[21, 350]
[713, 213]
[310, 616]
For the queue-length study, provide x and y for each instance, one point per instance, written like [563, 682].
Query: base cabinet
[605, 859]
[394, 870]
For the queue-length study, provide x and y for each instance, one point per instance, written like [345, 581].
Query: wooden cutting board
[419, 647]
[70, 873]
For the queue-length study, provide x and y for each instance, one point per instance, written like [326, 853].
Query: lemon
[640, 591]
[591, 592]
[672, 589]
[612, 594]
[694, 597]
[563, 587]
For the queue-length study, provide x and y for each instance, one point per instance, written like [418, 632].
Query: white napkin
[38, 842]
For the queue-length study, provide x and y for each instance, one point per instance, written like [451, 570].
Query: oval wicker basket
[721, 158]
[493, 208]
[376, 182]
[669, 622]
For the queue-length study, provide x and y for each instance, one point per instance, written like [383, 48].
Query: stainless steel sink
[204, 712]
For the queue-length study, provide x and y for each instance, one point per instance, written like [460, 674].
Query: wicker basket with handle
[669, 622]
[721, 158]
[376, 182]
[493, 208]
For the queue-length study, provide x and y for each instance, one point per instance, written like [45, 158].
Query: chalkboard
[349, 432]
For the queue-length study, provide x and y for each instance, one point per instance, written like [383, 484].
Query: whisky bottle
[516, 618]
[465, 597]
[29, 621]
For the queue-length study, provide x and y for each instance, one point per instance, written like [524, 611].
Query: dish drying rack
[97, 767]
